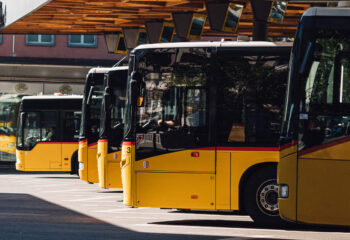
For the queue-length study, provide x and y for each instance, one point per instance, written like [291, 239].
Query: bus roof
[105, 70]
[52, 97]
[327, 12]
[119, 68]
[98, 70]
[212, 44]
[10, 98]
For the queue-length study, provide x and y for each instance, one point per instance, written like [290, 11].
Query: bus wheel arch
[74, 164]
[258, 193]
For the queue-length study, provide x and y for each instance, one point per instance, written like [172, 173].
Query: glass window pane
[344, 82]
[31, 132]
[89, 39]
[250, 99]
[75, 38]
[71, 123]
[46, 38]
[33, 37]
[49, 127]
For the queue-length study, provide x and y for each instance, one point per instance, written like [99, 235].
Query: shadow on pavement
[250, 224]
[25, 217]
[63, 177]
[114, 191]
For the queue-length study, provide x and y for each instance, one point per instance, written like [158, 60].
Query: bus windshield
[8, 116]
[324, 92]
[177, 94]
[92, 101]
[9, 106]
[48, 120]
[113, 111]
[175, 98]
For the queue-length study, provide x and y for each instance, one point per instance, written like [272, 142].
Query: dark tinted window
[250, 98]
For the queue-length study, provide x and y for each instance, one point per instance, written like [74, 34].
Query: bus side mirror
[88, 101]
[305, 65]
[107, 96]
[141, 97]
[136, 79]
[22, 117]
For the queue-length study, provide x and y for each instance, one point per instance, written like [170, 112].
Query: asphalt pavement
[45, 206]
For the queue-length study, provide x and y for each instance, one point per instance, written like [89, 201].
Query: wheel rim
[267, 197]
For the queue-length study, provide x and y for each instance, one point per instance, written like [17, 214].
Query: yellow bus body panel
[82, 159]
[128, 153]
[8, 144]
[287, 169]
[240, 162]
[20, 160]
[323, 194]
[46, 157]
[175, 190]
[176, 180]
[179, 180]
[109, 171]
[88, 157]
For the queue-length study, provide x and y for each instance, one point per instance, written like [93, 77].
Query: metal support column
[261, 10]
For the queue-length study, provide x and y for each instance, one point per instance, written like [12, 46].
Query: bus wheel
[261, 197]
[74, 164]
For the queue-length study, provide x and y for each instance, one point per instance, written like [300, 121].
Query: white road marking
[88, 199]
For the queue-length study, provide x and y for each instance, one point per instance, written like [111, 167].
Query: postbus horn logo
[21, 87]
[66, 89]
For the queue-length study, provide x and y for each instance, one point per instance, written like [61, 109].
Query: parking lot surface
[61, 206]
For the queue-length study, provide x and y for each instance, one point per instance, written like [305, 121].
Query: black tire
[261, 197]
[74, 164]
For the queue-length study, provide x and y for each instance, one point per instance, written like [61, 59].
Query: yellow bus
[315, 149]
[90, 124]
[111, 130]
[48, 133]
[202, 126]
[9, 107]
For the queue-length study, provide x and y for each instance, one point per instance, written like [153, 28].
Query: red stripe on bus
[239, 148]
[205, 148]
[92, 144]
[292, 143]
[103, 140]
[323, 146]
[129, 143]
[248, 148]
[57, 143]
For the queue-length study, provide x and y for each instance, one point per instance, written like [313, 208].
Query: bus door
[249, 98]
[70, 136]
[324, 141]
[41, 138]
[172, 152]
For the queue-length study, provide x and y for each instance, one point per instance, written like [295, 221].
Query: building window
[82, 41]
[40, 39]
[0, 38]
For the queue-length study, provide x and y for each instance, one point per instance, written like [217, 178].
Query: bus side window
[70, 126]
[250, 98]
[49, 128]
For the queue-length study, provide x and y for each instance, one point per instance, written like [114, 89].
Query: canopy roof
[100, 16]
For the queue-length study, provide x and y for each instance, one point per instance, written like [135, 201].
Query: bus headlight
[81, 166]
[283, 191]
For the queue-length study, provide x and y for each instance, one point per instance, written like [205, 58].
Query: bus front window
[31, 129]
[325, 100]
[93, 95]
[174, 113]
